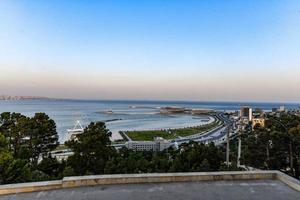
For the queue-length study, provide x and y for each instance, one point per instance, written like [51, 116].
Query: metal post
[291, 158]
[227, 147]
[239, 153]
[239, 148]
[290, 147]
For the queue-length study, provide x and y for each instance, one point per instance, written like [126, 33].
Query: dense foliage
[23, 142]
[94, 155]
[11, 169]
[26, 144]
[92, 150]
[275, 146]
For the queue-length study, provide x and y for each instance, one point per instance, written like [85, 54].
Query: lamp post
[240, 131]
[229, 128]
[239, 148]
[227, 146]
[290, 146]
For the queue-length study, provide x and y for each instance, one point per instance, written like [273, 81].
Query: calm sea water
[145, 115]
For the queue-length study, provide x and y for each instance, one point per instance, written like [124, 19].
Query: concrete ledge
[30, 187]
[164, 177]
[288, 180]
[80, 181]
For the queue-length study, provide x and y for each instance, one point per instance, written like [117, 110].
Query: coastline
[66, 112]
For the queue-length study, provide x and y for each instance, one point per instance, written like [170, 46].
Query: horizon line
[154, 100]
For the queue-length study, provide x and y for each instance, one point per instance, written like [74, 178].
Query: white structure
[250, 114]
[159, 144]
[62, 154]
[72, 133]
[281, 109]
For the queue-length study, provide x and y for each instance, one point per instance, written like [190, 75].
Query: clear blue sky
[181, 50]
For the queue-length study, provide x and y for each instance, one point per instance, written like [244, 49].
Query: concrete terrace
[233, 190]
[258, 185]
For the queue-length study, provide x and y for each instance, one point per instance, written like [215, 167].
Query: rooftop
[255, 189]
[262, 185]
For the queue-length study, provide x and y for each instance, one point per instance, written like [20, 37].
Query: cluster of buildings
[256, 116]
[241, 119]
[282, 109]
[246, 117]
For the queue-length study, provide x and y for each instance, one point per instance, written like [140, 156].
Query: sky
[210, 50]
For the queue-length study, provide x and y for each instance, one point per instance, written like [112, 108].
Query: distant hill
[8, 97]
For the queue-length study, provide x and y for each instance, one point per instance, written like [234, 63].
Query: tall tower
[250, 114]
[246, 112]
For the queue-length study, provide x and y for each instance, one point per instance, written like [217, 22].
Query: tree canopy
[275, 146]
[26, 144]
[91, 149]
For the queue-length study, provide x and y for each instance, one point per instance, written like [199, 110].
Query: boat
[75, 131]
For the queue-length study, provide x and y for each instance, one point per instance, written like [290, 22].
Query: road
[217, 135]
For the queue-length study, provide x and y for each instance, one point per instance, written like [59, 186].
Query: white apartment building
[159, 144]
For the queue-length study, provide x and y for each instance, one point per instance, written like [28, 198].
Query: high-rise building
[246, 113]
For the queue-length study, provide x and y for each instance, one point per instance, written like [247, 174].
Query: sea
[123, 115]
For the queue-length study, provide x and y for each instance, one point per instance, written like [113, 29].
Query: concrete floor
[215, 190]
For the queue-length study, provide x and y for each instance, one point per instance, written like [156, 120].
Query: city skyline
[154, 50]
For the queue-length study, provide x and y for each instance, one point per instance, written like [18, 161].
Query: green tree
[197, 157]
[29, 138]
[92, 150]
[275, 146]
[11, 170]
[256, 148]
[51, 167]
[43, 136]
[294, 136]
[15, 128]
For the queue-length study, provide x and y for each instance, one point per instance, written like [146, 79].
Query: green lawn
[61, 147]
[148, 135]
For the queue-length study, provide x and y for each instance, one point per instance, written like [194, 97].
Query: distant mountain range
[8, 97]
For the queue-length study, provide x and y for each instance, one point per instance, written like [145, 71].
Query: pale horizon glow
[156, 50]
